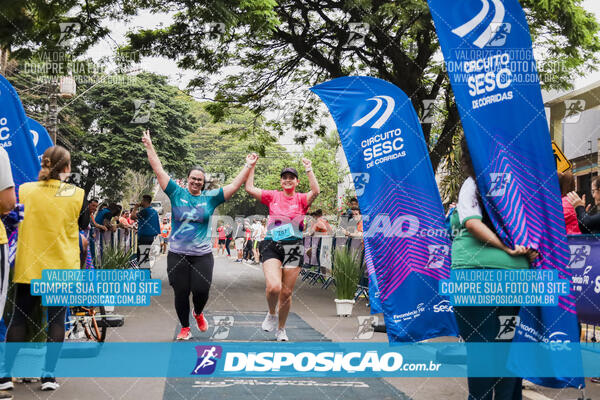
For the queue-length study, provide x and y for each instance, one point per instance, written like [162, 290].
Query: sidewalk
[239, 288]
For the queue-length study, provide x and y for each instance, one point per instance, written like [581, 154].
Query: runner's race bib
[283, 232]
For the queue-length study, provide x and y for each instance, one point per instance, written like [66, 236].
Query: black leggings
[189, 274]
[483, 324]
[227, 243]
[17, 327]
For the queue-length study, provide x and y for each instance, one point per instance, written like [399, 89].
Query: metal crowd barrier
[319, 262]
[584, 265]
[125, 239]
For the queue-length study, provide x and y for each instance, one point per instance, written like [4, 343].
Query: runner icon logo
[360, 180]
[68, 30]
[500, 32]
[437, 255]
[579, 254]
[508, 325]
[357, 32]
[495, 33]
[223, 325]
[499, 182]
[292, 256]
[143, 109]
[573, 110]
[365, 327]
[428, 111]
[207, 359]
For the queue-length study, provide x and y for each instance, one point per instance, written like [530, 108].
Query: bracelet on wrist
[308, 170]
[248, 166]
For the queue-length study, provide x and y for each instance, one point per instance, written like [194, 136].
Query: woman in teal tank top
[190, 260]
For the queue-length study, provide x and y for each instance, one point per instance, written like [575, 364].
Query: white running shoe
[49, 383]
[281, 335]
[270, 323]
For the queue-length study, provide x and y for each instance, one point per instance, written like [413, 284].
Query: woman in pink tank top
[282, 250]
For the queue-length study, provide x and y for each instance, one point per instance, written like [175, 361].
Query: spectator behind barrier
[567, 185]
[588, 222]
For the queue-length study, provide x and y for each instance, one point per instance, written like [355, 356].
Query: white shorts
[239, 244]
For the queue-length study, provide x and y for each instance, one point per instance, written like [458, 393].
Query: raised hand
[146, 139]
[575, 200]
[251, 159]
[307, 164]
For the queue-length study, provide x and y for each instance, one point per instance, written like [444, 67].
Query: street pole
[53, 114]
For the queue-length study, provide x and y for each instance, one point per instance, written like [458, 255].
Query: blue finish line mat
[229, 326]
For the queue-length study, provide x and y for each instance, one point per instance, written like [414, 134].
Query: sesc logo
[495, 33]
[579, 255]
[443, 306]
[4, 129]
[360, 180]
[207, 359]
[437, 255]
[558, 341]
[389, 108]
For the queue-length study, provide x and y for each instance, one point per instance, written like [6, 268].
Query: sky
[181, 78]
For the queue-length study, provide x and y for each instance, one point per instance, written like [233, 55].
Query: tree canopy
[280, 49]
[218, 148]
[102, 127]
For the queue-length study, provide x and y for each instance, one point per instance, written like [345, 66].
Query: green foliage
[98, 126]
[115, 257]
[221, 148]
[33, 27]
[280, 49]
[346, 272]
[138, 184]
[453, 175]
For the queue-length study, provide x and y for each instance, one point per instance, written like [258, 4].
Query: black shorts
[221, 241]
[290, 254]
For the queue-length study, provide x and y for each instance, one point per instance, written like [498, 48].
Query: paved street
[239, 288]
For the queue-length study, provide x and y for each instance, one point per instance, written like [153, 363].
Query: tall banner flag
[41, 138]
[406, 242]
[488, 53]
[15, 136]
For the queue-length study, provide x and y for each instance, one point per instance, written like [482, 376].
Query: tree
[102, 127]
[34, 27]
[221, 152]
[138, 184]
[279, 49]
[221, 148]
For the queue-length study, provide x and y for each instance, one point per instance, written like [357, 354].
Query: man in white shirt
[256, 234]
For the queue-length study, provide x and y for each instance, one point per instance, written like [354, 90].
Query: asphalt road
[240, 288]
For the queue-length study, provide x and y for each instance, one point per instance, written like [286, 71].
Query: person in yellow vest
[7, 203]
[48, 239]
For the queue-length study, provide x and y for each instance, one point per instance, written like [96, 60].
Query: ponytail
[54, 160]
